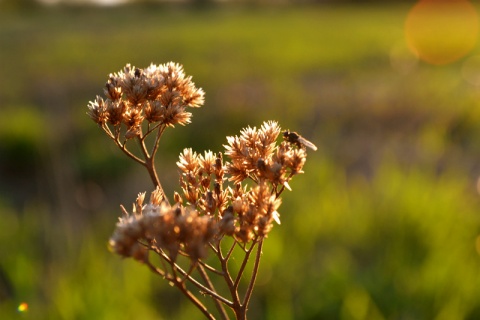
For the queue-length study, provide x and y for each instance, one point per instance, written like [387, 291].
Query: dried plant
[223, 206]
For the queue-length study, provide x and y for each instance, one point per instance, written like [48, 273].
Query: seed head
[157, 94]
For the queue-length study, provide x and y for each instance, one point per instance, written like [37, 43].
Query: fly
[295, 138]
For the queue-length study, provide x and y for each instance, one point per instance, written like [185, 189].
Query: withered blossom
[116, 110]
[255, 154]
[154, 111]
[188, 161]
[175, 114]
[207, 162]
[158, 94]
[97, 111]
[174, 229]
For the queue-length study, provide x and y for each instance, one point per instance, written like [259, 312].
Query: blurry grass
[383, 224]
[276, 42]
[63, 276]
[404, 241]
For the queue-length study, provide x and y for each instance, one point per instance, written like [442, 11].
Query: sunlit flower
[97, 111]
[157, 94]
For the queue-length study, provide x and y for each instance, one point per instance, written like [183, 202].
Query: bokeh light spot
[23, 307]
[441, 31]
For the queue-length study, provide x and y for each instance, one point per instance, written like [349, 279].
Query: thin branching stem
[210, 268]
[161, 129]
[214, 249]
[149, 164]
[244, 264]
[253, 278]
[193, 266]
[194, 300]
[209, 284]
[158, 271]
[191, 279]
[180, 284]
[120, 144]
[150, 130]
[229, 253]
[228, 278]
[107, 130]
[123, 147]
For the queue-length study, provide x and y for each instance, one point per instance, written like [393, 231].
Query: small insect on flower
[295, 138]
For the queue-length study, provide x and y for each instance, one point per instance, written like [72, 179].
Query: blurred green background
[384, 224]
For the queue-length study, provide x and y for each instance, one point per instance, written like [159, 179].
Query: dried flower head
[97, 111]
[176, 230]
[157, 94]
[255, 154]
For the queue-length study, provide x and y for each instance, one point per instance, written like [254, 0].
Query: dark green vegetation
[383, 225]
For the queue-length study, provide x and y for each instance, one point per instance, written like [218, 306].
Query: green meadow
[383, 224]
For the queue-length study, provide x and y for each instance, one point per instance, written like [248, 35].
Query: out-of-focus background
[384, 224]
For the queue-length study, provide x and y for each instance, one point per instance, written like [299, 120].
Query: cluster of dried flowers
[207, 210]
[238, 198]
[157, 94]
[144, 102]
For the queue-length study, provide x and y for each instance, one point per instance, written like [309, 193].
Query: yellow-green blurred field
[384, 224]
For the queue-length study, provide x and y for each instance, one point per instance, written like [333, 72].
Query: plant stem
[228, 278]
[200, 286]
[181, 285]
[209, 285]
[244, 264]
[256, 265]
[149, 164]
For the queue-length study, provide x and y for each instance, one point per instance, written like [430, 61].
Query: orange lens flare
[442, 31]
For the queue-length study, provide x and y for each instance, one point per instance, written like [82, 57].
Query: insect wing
[307, 143]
